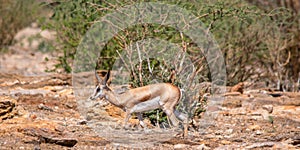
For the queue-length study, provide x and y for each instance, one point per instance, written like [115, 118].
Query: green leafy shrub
[244, 33]
[248, 37]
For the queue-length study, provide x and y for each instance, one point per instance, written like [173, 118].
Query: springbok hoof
[126, 127]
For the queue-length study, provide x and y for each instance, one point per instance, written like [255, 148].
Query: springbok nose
[91, 98]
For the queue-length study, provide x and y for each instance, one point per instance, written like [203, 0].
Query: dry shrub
[15, 15]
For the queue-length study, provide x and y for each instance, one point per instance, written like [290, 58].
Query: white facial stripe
[98, 91]
[98, 94]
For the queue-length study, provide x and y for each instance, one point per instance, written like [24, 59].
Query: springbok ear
[106, 78]
[97, 77]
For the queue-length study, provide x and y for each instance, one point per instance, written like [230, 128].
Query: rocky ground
[41, 112]
[38, 110]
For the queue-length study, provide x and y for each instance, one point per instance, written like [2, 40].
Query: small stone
[21, 111]
[268, 108]
[43, 107]
[238, 111]
[275, 94]
[212, 108]
[258, 132]
[283, 146]
[261, 114]
[82, 122]
[260, 145]
[69, 105]
[232, 94]
[200, 147]
[229, 131]
[254, 127]
[218, 132]
[225, 142]
[69, 142]
[232, 103]
[181, 146]
[59, 128]
[238, 88]
[251, 96]
[33, 116]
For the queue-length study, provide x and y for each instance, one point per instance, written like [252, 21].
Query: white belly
[147, 105]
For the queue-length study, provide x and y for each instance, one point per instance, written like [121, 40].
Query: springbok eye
[98, 89]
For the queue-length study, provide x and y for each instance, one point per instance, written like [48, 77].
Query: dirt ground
[39, 110]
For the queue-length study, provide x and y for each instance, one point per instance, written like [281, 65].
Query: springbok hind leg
[184, 118]
[172, 117]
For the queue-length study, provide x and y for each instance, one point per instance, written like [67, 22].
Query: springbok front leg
[140, 117]
[127, 116]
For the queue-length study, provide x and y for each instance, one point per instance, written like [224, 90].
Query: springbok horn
[106, 77]
[97, 76]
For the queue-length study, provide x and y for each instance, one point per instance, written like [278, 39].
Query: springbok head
[101, 86]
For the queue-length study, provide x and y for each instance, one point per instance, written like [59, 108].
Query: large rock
[238, 88]
[7, 108]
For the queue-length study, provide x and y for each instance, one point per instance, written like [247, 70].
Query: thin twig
[140, 64]
[184, 46]
[126, 66]
[157, 118]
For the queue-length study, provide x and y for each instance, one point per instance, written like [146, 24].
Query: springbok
[139, 100]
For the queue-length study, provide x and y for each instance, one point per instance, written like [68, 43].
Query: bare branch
[140, 64]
